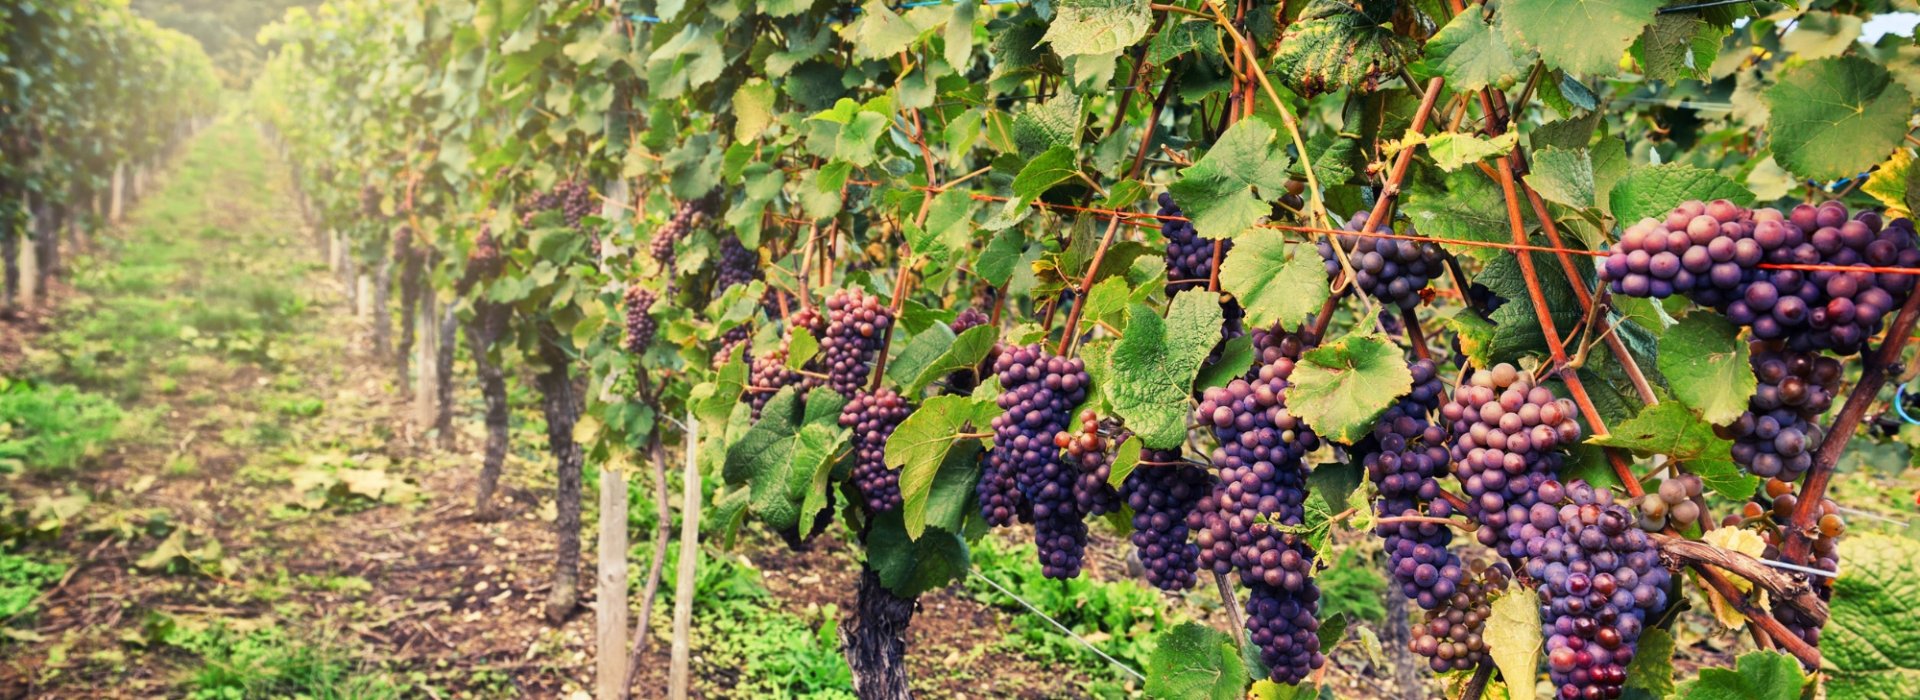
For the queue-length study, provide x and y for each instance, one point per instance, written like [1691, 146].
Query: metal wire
[1056, 623]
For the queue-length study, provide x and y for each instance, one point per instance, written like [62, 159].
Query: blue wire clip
[1900, 405]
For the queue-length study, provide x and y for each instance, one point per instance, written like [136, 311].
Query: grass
[51, 428]
[1120, 617]
[264, 663]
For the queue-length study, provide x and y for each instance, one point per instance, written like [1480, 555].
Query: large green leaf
[1585, 37]
[1871, 644]
[909, 566]
[1835, 117]
[1679, 46]
[1195, 661]
[1705, 362]
[1341, 386]
[1217, 192]
[1153, 365]
[920, 445]
[1514, 638]
[1338, 44]
[1757, 675]
[1474, 53]
[1273, 286]
[1082, 27]
[965, 351]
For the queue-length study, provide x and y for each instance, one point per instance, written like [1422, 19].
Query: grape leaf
[1516, 326]
[1453, 151]
[1182, 37]
[1667, 428]
[1337, 44]
[1872, 640]
[801, 348]
[1605, 29]
[920, 445]
[1679, 46]
[752, 109]
[1563, 176]
[1457, 208]
[1758, 675]
[1235, 357]
[1340, 387]
[1651, 670]
[1821, 34]
[1513, 637]
[1217, 192]
[1705, 362]
[1896, 184]
[1195, 661]
[1153, 365]
[1273, 287]
[966, 351]
[1473, 53]
[878, 32]
[1082, 27]
[1835, 117]
[919, 352]
[909, 566]
[1653, 190]
[1125, 458]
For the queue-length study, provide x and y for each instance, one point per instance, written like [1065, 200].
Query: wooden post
[117, 204]
[29, 257]
[610, 608]
[427, 355]
[689, 557]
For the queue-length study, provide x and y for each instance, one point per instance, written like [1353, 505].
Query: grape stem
[1232, 605]
[1873, 376]
[1397, 519]
[1478, 683]
[1780, 586]
[1106, 241]
[1808, 656]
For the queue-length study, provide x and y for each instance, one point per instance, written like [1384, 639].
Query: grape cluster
[572, 198]
[1450, 635]
[968, 319]
[687, 215]
[640, 324]
[856, 328]
[734, 337]
[1088, 451]
[483, 261]
[1713, 253]
[1779, 432]
[1262, 484]
[873, 416]
[1600, 577]
[1163, 491]
[1404, 457]
[370, 201]
[1393, 270]
[1850, 306]
[1506, 431]
[1041, 390]
[1191, 261]
[1671, 503]
[737, 266]
[1272, 345]
[768, 373]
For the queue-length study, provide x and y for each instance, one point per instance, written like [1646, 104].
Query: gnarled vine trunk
[443, 388]
[410, 298]
[481, 334]
[383, 302]
[561, 409]
[874, 640]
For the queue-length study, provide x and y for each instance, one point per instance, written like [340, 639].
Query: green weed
[21, 579]
[53, 428]
[265, 663]
[1118, 616]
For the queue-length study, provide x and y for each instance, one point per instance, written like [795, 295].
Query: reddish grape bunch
[873, 417]
[1393, 270]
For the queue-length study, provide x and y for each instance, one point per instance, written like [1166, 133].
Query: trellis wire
[1056, 623]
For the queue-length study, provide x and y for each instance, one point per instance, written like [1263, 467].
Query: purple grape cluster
[737, 265]
[1163, 492]
[1262, 484]
[1405, 458]
[1393, 270]
[640, 324]
[1507, 433]
[1778, 434]
[873, 416]
[1600, 578]
[734, 337]
[687, 215]
[370, 201]
[1450, 635]
[1088, 451]
[1040, 393]
[483, 262]
[1849, 307]
[768, 373]
[1714, 252]
[572, 198]
[857, 324]
[968, 319]
[1191, 262]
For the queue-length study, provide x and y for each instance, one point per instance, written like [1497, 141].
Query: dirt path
[269, 523]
